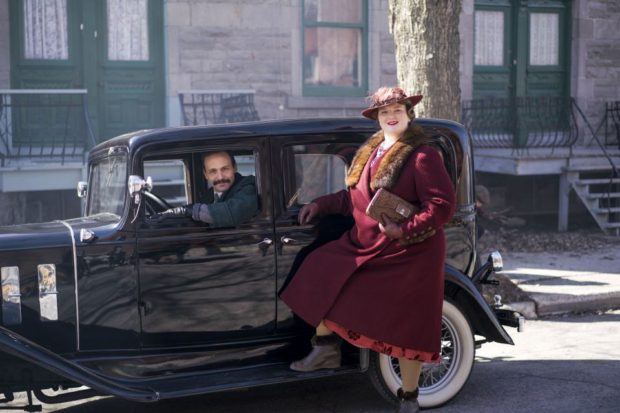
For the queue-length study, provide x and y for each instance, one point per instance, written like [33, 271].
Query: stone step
[605, 210]
[597, 181]
[603, 195]
[600, 166]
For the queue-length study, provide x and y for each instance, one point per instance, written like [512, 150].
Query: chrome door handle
[264, 245]
[288, 241]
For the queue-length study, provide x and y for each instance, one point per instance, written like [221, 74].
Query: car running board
[158, 388]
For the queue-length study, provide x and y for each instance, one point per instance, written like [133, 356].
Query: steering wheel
[154, 203]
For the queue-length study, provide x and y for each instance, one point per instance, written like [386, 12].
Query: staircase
[599, 190]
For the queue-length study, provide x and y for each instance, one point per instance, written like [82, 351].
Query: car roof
[134, 140]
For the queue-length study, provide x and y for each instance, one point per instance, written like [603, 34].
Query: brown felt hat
[386, 96]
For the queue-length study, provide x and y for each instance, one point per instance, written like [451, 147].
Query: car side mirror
[137, 185]
[82, 189]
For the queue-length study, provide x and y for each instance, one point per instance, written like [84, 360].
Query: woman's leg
[409, 373]
[322, 330]
[408, 393]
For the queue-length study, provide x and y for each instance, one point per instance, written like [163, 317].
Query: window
[544, 39]
[320, 169]
[108, 186]
[335, 47]
[489, 38]
[228, 188]
[169, 180]
[127, 30]
[45, 30]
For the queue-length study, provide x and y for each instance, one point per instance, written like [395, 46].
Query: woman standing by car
[380, 285]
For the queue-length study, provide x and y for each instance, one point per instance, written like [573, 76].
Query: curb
[544, 304]
[554, 304]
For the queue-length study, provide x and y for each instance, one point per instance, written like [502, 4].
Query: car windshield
[108, 185]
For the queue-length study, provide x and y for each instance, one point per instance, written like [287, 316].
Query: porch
[545, 136]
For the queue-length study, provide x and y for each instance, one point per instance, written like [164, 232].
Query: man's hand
[176, 212]
[390, 229]
[308, 212]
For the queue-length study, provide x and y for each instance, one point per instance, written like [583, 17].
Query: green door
[112, 48]
[521, 48]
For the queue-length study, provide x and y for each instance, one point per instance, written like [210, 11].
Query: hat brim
[371, 113]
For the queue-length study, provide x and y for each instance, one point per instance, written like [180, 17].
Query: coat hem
[362, 341]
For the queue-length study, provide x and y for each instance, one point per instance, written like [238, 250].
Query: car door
[311, 166]
[201, 285]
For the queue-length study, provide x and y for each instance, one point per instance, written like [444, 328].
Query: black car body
[147, 309]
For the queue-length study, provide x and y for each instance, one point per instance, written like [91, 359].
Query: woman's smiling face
[393, 118]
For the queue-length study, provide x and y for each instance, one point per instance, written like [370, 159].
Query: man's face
[219, 171]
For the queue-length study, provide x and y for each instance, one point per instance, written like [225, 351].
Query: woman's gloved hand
[308, 212]
[391, 229]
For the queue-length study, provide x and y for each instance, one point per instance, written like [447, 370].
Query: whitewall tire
[439, 383]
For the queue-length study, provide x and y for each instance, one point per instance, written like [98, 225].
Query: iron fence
[518, 123]
[207, 107]
[612, 123]
[48, 124]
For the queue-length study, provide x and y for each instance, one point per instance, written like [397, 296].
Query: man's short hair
[207, 154]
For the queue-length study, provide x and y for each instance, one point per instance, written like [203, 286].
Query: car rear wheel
[439, 383]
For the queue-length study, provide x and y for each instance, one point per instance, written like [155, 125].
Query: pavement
[564, 282]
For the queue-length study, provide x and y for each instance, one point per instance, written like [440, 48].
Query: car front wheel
[439, 383]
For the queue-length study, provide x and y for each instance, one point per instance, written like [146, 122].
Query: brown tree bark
[426, 36]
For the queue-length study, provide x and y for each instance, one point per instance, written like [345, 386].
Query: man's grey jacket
[236, 206]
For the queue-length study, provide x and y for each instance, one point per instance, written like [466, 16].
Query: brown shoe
[325, 354]
[408, 401]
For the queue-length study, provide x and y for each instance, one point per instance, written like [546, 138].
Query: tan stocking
[322, 330]
[410, 373]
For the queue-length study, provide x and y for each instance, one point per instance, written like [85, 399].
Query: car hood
[54, 233]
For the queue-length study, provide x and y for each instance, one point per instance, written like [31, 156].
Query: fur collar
[391, 163]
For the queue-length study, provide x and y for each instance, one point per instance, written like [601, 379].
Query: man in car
[231, 198]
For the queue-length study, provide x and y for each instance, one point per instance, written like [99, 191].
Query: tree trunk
[426, 36]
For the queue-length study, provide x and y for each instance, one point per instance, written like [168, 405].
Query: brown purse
[386, 204]
[393, 207]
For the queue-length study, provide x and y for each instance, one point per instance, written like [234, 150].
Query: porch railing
[521, 123]
[612, 123]
[44, 124]
[207, 107]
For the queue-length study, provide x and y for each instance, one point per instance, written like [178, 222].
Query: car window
[181, 179]
[169, 180]
[319, 169]
[108, 177]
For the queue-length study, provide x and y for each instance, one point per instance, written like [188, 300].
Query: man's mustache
[221, 181]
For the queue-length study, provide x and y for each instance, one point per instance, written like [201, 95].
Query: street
[561, 364]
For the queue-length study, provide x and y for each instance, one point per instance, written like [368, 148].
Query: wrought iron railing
[612, 123]
[49, 124]
[207, 107]
[520, 123]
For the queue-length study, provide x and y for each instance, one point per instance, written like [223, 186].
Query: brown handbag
[386, 204]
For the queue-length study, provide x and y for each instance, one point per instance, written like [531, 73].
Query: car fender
[15, 345]
[461, 290]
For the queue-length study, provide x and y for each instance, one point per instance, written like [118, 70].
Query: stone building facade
[258, 45]
[228, 45]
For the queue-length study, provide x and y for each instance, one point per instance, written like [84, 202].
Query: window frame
[193, 170]
[286, 155]
[343, 91]
[17, 38]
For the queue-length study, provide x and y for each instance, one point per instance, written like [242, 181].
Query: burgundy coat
[366, 282]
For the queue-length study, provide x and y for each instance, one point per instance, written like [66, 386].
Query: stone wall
[5, 54]
[239, 45]
[595, 56]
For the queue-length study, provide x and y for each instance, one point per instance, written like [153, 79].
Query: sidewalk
[563, 282]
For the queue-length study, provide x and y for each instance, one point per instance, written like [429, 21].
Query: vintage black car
[144, 308]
